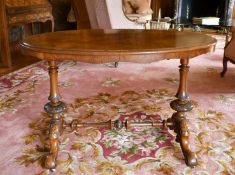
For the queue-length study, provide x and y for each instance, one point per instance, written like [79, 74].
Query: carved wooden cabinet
[184, 10]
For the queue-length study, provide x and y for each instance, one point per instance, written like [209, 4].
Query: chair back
[21, 12]
[21, 6]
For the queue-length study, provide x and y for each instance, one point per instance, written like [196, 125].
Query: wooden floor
[18, 61]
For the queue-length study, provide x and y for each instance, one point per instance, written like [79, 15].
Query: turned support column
[182, 105]
[54, 108]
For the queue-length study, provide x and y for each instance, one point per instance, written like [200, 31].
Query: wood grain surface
[100, 46]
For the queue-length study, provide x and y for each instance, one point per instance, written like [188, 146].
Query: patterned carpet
[96, 93]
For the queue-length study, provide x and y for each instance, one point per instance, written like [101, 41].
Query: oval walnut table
[103, 46]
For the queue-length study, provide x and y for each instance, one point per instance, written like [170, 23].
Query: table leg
[54, 108]
[182, 105]
[225, 63]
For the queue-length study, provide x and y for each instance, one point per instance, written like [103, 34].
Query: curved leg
[225, 62]
[54, 108]
[190, 157]
[183, 105]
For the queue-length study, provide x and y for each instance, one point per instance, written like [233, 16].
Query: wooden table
[103, 46]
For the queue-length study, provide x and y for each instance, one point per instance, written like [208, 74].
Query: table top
[100, 46]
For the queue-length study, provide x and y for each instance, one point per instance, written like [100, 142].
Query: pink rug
[96, 93]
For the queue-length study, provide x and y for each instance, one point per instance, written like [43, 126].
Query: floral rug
[98, 93]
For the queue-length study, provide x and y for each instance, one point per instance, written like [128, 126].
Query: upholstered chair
[19, 13]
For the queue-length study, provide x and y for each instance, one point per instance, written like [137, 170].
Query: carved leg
[54, 108]
[225, 62]
[183, 105]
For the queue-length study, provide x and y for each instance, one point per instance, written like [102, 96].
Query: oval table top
[114, 45]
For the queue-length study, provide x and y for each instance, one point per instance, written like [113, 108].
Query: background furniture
[107, 14]
[20, 13]
[60, 11]
[165, 6]
[229, 50]
[81, 14]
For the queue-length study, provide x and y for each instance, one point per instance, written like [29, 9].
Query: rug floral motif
[99, 93]
[146, 150]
